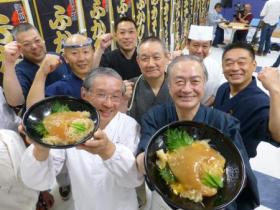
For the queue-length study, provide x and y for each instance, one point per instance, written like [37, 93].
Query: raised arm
[105, 41]
[270, 79]
[12, 88]
[37, 90]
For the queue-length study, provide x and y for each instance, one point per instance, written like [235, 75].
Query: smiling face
[238, 67]
[186, 85]
[32, 45]
[105, 95]
[80, 59]
[152, 60]
[199, 48]
[126, 36]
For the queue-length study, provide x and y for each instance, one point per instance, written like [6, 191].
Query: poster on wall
[141, 18]
[96, 17]
[11, 14]
[122, 8]
[56, 20]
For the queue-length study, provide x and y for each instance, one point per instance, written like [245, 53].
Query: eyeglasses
[102, 97]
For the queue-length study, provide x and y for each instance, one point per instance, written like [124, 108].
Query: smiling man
[123, 59]
[18, 77]
[78, 54]
[153, 58]
[259, 114]
[103, 170]
[187, 76]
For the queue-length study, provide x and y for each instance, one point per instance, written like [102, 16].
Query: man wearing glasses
[103, 170]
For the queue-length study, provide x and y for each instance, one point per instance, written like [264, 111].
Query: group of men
[269, 19]
[105, 171]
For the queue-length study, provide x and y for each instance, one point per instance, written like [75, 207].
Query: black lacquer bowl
[234, 178]
[38, 111]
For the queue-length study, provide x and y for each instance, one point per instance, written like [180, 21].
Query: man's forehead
[188, 66]
[237, 53]
[201, 42]
[126, 25]
[151, 48]
[77, 42]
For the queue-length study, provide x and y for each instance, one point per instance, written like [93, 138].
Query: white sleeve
[264, 10]
[123, 166]
[41, 175]
[123, 163]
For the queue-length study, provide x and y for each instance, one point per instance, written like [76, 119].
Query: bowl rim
[191, 123]
[63, 98]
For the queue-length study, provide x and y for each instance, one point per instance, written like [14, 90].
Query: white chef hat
[202, 33]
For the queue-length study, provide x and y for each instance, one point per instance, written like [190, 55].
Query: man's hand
[140, 163]
[50, 63]
[270, 79]
[12, 52]
[128, 89]
[105, 40]
[100, 145]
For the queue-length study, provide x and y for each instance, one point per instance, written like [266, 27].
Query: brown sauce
[189, 163]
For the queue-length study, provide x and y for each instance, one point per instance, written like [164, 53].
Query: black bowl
[38, 111]
[234, 169]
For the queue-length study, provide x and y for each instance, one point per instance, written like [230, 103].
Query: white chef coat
[9, 120]
[96, 184]
[215, 78]
[14, 195]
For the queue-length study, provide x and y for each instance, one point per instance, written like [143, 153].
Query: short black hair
[218, 5]
[124, 19]
[22, 27]
[240, 45]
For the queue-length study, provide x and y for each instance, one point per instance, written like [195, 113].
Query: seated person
[245, 17]
[213, 19]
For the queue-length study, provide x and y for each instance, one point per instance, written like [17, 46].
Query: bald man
[78, 54]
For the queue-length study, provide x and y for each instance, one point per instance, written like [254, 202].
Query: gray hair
[98, 72]
[185, 58]
[152, 39]
[23, 27]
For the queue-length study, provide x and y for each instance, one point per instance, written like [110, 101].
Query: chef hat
[202, 33]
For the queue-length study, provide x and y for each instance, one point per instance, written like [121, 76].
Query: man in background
[123, 59]
[18, 77]
[245, 17]
[213, 19]
[270, 15]
[199, 44]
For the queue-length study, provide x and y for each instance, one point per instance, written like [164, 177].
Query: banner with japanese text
[56, 20]
[11, 14]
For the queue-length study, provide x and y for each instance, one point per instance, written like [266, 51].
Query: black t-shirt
[117, 61]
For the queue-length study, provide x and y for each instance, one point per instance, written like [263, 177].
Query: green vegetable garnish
[167, 175]
[79, 127]
[177, 138]
[212, 181]
[57, 107]
[40, 129]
